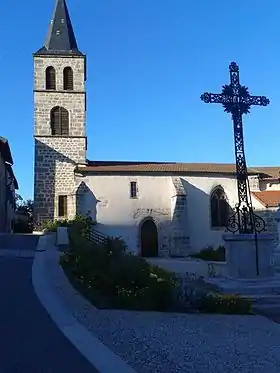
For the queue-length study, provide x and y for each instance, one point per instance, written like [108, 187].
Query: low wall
[192, 267]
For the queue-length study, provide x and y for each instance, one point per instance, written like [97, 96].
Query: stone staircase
[98, 237]
[264, 293]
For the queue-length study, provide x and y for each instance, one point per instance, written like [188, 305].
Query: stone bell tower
[59, 115]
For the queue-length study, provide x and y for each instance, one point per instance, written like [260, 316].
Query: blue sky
[148, 63]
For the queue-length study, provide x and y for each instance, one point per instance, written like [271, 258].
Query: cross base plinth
[241, 255]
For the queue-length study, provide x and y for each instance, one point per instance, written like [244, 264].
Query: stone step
[248, 287]
[267, 309]
[255, 291]
[265, 300]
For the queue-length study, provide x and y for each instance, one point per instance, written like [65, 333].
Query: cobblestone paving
[30, 341]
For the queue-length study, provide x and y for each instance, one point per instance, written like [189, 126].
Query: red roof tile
[170, 167]
[269, 198]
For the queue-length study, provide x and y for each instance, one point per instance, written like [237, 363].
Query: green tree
[25, 221]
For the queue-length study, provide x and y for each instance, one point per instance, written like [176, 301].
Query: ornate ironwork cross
[237, 101]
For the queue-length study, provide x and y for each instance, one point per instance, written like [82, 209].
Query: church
[160, 209]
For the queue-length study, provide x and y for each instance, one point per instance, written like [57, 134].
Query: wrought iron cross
[237, 101]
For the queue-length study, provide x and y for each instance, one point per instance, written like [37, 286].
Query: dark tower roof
[60, 38]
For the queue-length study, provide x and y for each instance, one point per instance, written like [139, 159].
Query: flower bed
[109, 277]
[211, 254]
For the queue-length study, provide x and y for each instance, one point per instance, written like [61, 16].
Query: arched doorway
[149, 239]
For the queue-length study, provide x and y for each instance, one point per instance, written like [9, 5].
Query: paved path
[30, 341]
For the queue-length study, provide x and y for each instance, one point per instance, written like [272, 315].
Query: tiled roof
[269, 198]
[169, 167]
[270, 171]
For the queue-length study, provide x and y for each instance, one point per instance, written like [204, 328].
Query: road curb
[99, 355]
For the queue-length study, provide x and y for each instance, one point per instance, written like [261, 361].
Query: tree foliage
[24, 215]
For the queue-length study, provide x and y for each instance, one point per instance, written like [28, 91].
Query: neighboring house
[158, 208]
[8, 186]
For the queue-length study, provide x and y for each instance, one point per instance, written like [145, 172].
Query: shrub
[210, 254]
[81, 223]
[193, 290]
[51, 226]
[225, 304]
[207, 298]
[125, 280]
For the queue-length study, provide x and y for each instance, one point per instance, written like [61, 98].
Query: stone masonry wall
[45, 100]
[180, 246]
[74, 103]
[59, 63]
[55, 161]
[270, 223]
[56, 157]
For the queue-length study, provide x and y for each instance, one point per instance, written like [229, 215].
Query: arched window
[219, 208]
[68, 81]
[50, 78]
[59, 121]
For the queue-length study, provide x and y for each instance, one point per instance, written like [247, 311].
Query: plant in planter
[207, 298]
[211, 254]
[225, 304]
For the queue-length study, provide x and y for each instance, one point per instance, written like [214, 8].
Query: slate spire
[60, 38]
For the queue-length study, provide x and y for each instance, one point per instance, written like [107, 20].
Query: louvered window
[50, 78]
[68, 81]
[59, 121]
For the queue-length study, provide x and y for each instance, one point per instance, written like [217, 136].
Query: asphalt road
[30, 342]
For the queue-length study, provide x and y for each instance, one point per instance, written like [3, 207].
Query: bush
[207, 298]
[107, 271]
[210, 254]
[81, 223]
[51, 226]
[225, 304]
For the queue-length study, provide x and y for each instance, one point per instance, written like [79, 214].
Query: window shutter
[62, 206]
[59, 121]
[68, 80]
[50, 78]
[64, 122]
[133, 189]
[55, 121]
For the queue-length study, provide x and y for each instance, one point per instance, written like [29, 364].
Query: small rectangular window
[133, 189]
[62, 206]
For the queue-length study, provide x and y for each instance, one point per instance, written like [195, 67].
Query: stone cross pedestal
[241, 255]
[62, 239]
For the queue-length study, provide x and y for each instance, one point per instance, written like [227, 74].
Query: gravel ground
[160, 342]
